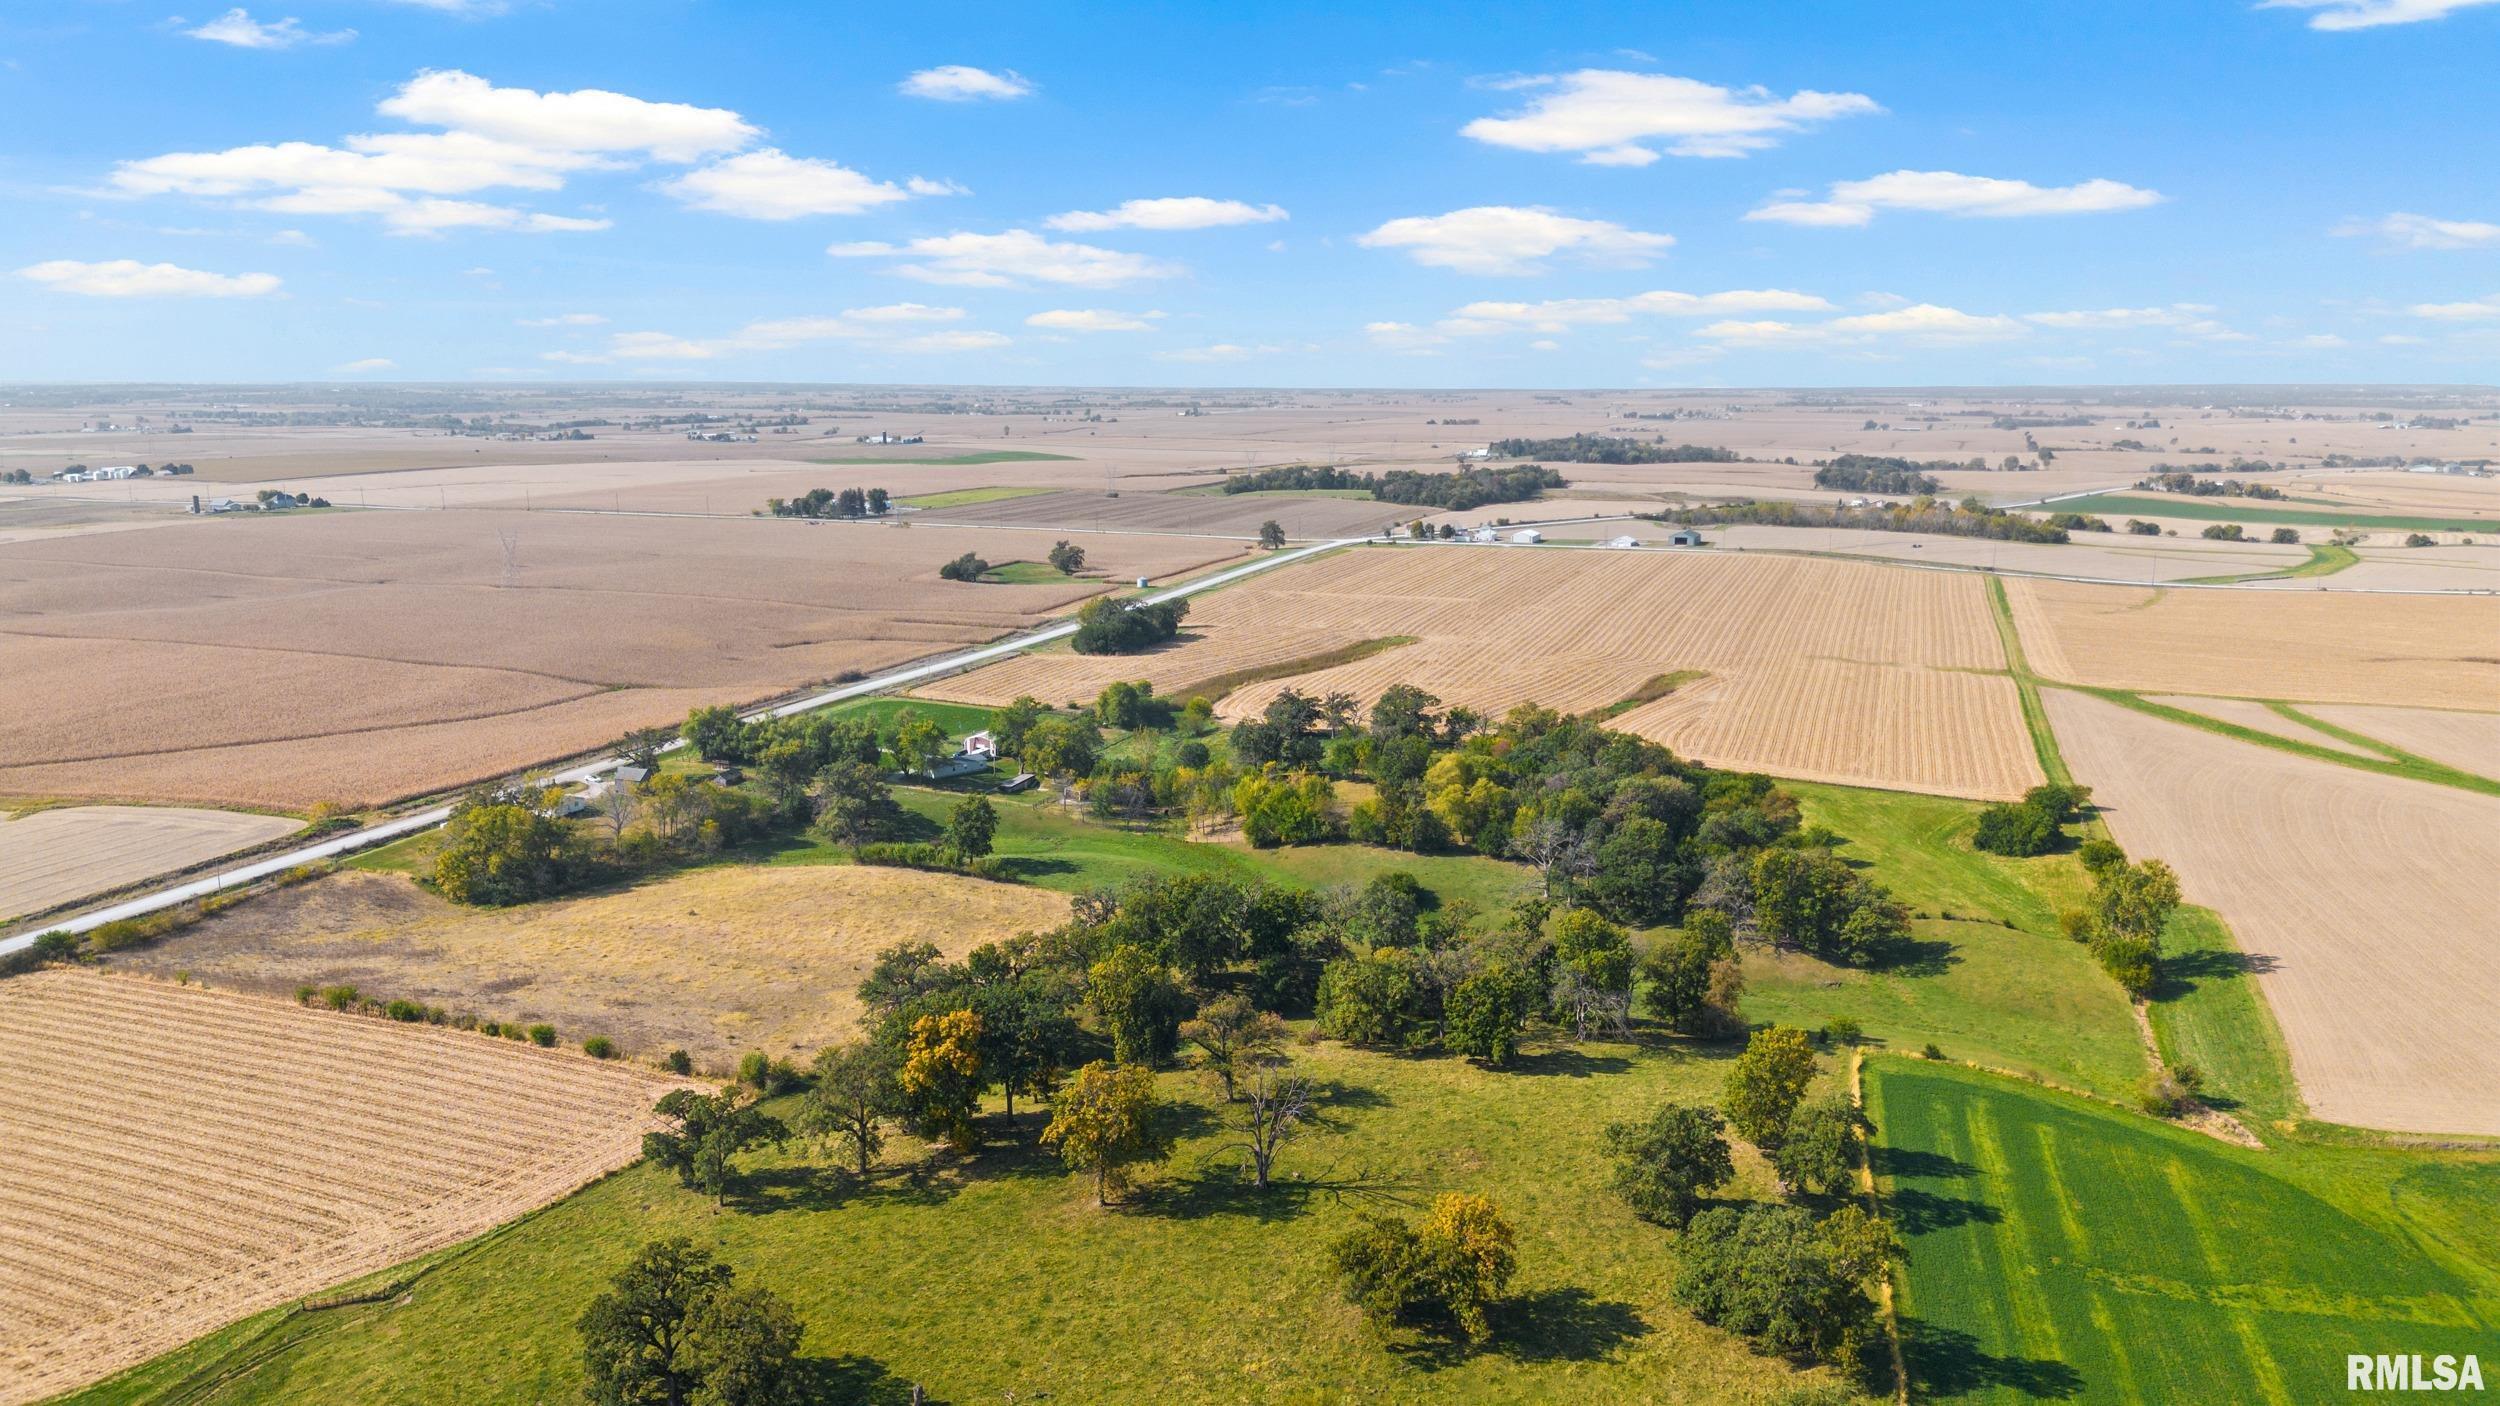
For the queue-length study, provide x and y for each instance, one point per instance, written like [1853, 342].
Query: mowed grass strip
[1214, 688]
[956, 498]
[2325, 559]
[2060, 1250]
[2027, 686]
[1655, 687]
[2393, 761]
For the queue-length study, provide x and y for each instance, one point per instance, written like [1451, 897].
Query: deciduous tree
[1106, 1121]
[674, 1328]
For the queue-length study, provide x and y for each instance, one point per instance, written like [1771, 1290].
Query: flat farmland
[173, 1158]
[51, 857]
[716, 961]
[1211, 514]
[2063, 1250]
[2466, 741]
[1826, 670]
[360, 657]
[2438, 651]
[2363, 900]
[2092, 555]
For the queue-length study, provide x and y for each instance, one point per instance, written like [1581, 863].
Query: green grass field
[2061, 1251]
[1026, 573]
[964, 497]
[2180, 505]
[2325, 559]
[982, 456]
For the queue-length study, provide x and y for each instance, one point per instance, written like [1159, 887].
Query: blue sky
[1383, 195]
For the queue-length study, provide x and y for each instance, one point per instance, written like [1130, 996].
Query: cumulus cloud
[1919, 322]
[2369, 14]
[237, 28]
[1092, 320]
[2408, 231]
[1951, 193]
[893, 327]
[2187, 319]
[2472, 310]
[771, 184]
[1010, 257]
[515, 139]
[128, 278]
[1214, 351]
[1562, 314]
[1168, 212]
[962, 83]
[1612, 118]
[1512, 239]
[564, 319]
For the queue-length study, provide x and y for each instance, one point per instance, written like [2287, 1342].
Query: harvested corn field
[363, 657]
[2363, 901]
[2438, 651]
[1830, 670]
[1214, 514]
[2466, 741]
[51, 857]
[715, 961]
[172, 1159]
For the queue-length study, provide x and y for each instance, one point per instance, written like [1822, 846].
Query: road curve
[400, 826]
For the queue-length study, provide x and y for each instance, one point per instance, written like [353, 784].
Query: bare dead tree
[1275, 1101]
[511, 541]
[1552, 849]
[616, 805]
[1590, 1009]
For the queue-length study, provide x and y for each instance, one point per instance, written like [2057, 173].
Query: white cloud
[564, 319]
[370, 363]
[2475, 310]
[1561, 314]
[1404, 336]
[2406, 231]
[237, 28]
[1092, 320]
[1012, 256]
[2368, 14]
[586, 120]
[772, 185]
[2317, 341]
[464, 8]
[1510, 239]
[128, 278]
[2187, 319]
[922, 185]
[961, 83]
[2401, 339]
[1609, 116]
[1167, 213]
[1919, 322]
[1214, 351]
[891, 327]
[1951, 193]
[433, 216]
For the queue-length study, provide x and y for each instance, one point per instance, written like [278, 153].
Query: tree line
[826, 503]
[1456, 491]
[1872, 473]
[1611, 449]
[1968, 518]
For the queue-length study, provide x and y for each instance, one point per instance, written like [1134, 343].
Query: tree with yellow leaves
[943, 1076]
[1106, 1121]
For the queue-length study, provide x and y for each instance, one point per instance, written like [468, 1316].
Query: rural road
[404, 825]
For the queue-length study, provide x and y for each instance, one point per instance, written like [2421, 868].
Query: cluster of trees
[2122, 921]
[1109, 625]
[1066, 558]
[505, 845]
[676, 1327]
[2078, 522]
[2236, 466]
[971, 566]
[2032, 825]
[1780, 1275]
[1968, 518]
[1611, 449]
[1449, 1268]
[2183, 481]
[824, 502]
[1457, 491]
[1875, 473]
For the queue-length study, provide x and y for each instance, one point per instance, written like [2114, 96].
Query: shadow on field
[1562, 1324]
[1032, 868]
[1917, 1212]
[2182, 974]
[1948, 1362]
[1916, 956]
[826, 1381]
[1912, 1162]
[1568, 1063]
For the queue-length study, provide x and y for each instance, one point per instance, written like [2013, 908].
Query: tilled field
[2438, 651]
[1211, 514]
[172, 1159]
[361, 657]
[1823, 669]
[2364, 901]
[55, 856]
[2468, 741]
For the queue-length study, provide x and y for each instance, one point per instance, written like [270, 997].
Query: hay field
[51, 857]
[172, 1159]
[1826, 670]
[2438, 651]
[360, 657]
[2364, 900]
[2467, 741]
[715, 961]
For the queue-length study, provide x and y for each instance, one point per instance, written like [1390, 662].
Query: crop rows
[175, 1158]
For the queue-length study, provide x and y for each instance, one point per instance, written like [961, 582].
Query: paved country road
[399, 826]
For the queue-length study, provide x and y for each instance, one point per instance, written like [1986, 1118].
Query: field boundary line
[2409, 768]
[1875, 1206]
[2027, 688]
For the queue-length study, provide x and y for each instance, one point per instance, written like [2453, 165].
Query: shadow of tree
[1566, 1062]
[1916, 956]
[1948, 1362]
[1914, 1162]
[1564, 1324]
[853, 1381]
[1917, 1212]
[2182, 974]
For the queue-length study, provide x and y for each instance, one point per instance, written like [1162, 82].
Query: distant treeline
[824, 502]
[2039, 422]
[1968, 519]
[2236, 466]
[2194, 487]
[1610, 449]
[1457, 491]
[1874, 473]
